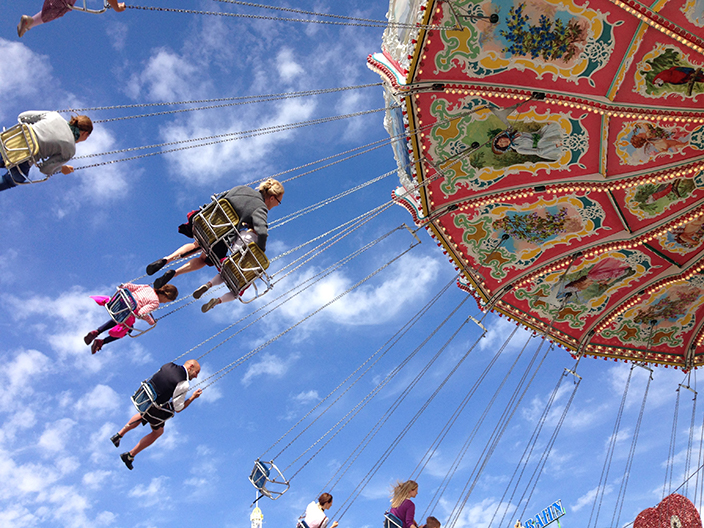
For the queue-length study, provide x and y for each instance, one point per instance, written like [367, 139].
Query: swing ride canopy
[580, 214]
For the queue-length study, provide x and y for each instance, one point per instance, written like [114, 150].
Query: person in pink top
[401, 504]
[147, 299]
[53, 9]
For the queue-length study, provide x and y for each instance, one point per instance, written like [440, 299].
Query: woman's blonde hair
[401, 491]
[271, 187]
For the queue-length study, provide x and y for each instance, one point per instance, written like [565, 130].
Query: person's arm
[189, 401]
[260, 227]
[117, 6]
[409, 517]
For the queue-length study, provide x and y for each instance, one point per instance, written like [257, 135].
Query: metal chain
[195, 146]
[621, 497]
[377, 24]
[611, 447]
[328, 244]
[341, 226]
[347, 418]
[288, 218]
[284, 95]
[395, 338]
[249, 133]
[229, 368]
[310, 282]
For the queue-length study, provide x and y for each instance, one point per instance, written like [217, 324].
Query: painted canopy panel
[557, 155]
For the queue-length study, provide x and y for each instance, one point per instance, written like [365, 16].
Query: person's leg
[7, 182]
[192, 265]
[183, 251]
[107, 326]
[146, 441]
[134, 422]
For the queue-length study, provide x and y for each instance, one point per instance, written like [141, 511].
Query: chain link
[267, 97]
[373, 24]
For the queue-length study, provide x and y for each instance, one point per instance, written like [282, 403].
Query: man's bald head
[193, 368]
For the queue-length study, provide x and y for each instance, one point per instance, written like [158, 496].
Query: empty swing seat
[144, 401]
[18, 144]
[245, 265]
[267, 474]
[215, 223]
[391, 521]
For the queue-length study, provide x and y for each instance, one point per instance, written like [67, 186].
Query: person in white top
[315, 512]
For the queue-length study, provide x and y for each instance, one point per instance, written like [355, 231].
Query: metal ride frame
[391, 521]
[144, 400]
[261, 476]
[120, 306]
[18, 144]
[85, 8]
[217, 223]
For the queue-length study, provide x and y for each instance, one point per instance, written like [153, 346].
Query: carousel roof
[557, 155]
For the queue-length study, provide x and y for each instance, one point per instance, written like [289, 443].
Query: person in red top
[147, 299]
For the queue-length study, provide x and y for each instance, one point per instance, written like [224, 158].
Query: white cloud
[269, 365]
[306, 397]
[166, 76]
[154, 494]
[99, 401]
[18, 76]
[287, 66]
[56, 436]
[21, 376]
[372, 303]
[117, 32]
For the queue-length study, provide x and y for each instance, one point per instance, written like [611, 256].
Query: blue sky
[85, 233]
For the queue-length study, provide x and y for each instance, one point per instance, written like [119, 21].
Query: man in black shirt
[171, 386]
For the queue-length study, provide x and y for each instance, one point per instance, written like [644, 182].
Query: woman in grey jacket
[56, 139]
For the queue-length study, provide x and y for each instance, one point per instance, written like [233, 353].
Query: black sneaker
[115, 439]
[155, 266]
[127, 459]
[164, 279]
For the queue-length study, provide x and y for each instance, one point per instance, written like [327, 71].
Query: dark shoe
[200, 291]
[88, 339]
[115, 439]
[127, 459]
[164, 279]
[212, 303]
[97, 345]
[155, 266]
[24, 25]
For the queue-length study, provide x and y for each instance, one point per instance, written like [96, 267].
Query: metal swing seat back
[268, 479]
[391, 521]
[243, 267]
[18, 144]
[121, 306]
[144, 400]
[85, 8]
[215, 223]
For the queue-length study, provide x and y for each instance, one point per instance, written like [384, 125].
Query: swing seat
[121, 307]
[215, 223]
[266, 473]
[144, 400]
[18, 144]
[85, 8]
[391, 521]
[241, 269]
